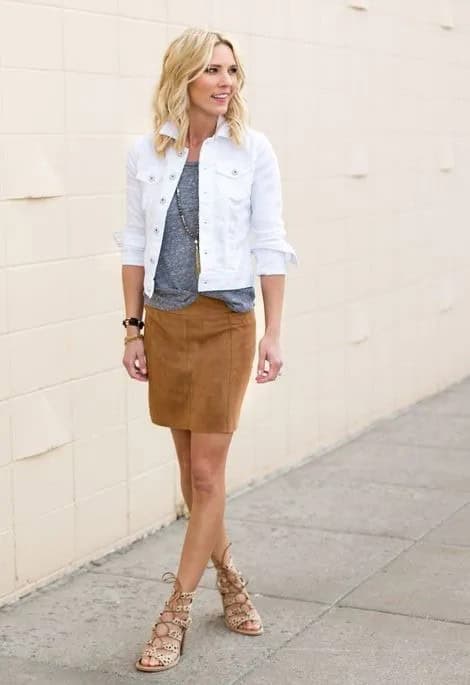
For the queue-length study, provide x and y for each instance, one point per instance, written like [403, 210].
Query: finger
[274, 367]
[273, 371]
[132, 370]
[142, 363]
[261, 365]
[263, 376]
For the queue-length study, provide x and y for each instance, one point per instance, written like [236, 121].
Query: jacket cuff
[131, 248]
[132, 257]
[269, 262]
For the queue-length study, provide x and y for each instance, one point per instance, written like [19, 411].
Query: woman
[203, 194]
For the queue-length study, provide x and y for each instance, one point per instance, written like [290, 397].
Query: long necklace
[194, 238]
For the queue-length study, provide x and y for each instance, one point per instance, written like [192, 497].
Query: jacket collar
[169, 128]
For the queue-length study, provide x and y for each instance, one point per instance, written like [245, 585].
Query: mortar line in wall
[13, 513]
[79, 10]
[120, 75]
[370, 427]
[61, 384]
[128, 467]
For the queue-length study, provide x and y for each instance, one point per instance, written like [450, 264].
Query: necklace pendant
[198, 259]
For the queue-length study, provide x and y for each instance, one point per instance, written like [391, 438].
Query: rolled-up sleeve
[268, 235]
[269, 262]
[131, 239]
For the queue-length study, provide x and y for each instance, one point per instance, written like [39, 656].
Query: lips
[221, 97]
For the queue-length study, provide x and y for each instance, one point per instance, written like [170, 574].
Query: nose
[225, 79]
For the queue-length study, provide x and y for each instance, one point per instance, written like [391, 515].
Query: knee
[204, 482]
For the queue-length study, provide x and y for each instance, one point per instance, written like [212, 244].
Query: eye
[211, 70]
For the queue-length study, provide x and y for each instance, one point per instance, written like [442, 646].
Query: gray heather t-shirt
[175, 276]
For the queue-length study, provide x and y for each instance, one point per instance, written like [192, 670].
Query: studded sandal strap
[238, 607]
[236, 618]
[159, 646]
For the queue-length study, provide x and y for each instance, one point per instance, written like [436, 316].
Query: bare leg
[182, 440]
[208, 458]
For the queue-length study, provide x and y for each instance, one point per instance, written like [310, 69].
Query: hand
[134, 360]
[270, 352]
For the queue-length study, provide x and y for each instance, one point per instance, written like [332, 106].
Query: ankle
[222, 558]
[181, 589]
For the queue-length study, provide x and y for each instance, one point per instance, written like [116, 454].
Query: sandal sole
[153, 669]
[244, 632]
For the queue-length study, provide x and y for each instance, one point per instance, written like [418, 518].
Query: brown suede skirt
[199, 361]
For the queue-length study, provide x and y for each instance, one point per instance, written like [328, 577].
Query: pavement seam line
[400, 613]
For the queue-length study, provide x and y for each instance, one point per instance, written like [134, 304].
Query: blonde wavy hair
[185, 59]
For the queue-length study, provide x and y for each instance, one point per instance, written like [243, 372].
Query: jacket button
[162, 200]
[152, 260]
[234, 172]
[180, 154]
[151, 178]
[156, 229]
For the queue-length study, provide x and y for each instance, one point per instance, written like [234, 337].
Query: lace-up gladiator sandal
[168, 633]
[238, 607]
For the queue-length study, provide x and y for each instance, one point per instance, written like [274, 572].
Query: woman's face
[218, 79]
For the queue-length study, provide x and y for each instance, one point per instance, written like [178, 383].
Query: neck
[201, 126]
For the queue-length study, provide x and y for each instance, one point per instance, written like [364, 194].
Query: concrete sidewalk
[359, 563]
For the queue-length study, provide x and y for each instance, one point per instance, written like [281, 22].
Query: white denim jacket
[240, 208]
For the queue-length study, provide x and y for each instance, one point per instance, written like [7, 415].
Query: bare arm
[133, 288]
[134, 355]
[272, 287]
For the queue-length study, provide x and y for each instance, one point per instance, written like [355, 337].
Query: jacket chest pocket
[151, 182]
[234, 181]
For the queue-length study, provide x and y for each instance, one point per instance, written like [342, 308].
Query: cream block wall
[367, 103]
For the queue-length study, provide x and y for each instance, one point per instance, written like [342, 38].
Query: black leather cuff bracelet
[133, 321]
